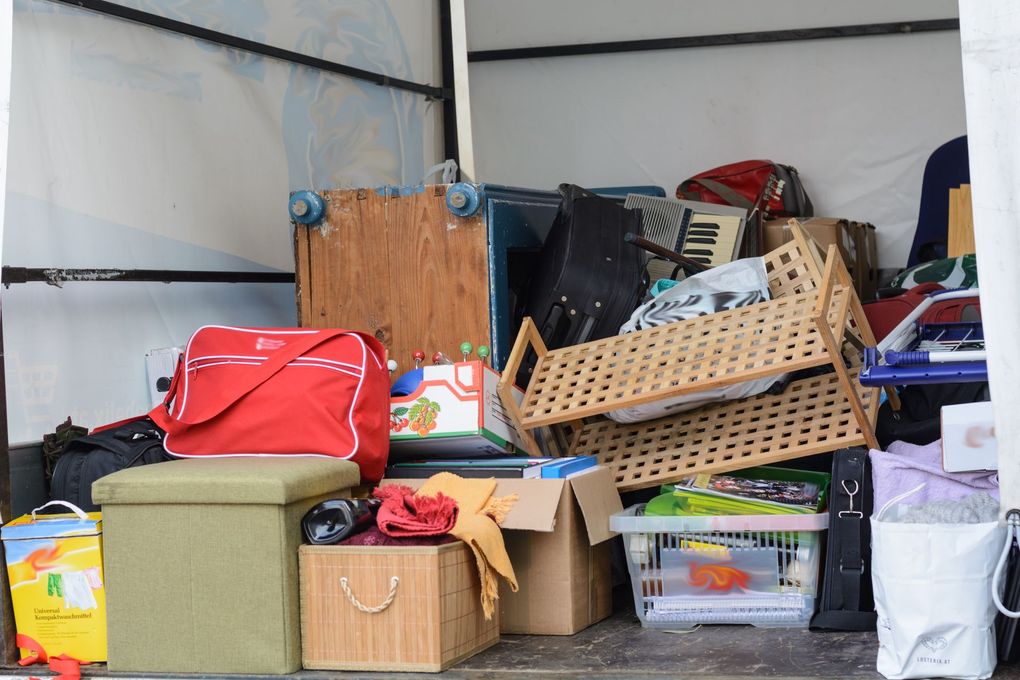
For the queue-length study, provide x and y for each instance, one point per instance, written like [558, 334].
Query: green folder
[683, 500]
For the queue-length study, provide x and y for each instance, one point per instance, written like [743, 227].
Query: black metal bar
[8, 646]
[56, 276]
[183, 28]
[753, 38]
[450, 147]
[689, 265]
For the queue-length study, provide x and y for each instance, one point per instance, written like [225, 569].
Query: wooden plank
[961, 222]
[439, 275]
[346, 281]
[302, 272]
[402, 268]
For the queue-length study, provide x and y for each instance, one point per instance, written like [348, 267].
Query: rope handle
[394, 582]
[1012, 529]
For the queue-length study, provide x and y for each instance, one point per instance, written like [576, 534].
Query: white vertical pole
[990, 42]
[458, 40]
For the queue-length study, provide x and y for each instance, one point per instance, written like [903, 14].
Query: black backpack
[88, 458]
[919, 420]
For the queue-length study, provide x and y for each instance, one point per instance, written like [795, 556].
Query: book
[755, 491]
[782, 492]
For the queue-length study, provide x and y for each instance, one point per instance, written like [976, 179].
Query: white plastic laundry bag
[932, 586]
[728, 286]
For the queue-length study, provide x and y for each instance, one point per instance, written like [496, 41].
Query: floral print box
[451, 409]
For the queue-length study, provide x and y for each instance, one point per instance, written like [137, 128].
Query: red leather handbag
[280, 392]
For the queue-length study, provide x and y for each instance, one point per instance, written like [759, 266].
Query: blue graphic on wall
[337, 131]
[343, 132]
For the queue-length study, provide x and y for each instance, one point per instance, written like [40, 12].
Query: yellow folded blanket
[478, 525]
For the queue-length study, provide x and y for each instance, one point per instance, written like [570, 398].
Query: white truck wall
[857, 117]
[135, 148]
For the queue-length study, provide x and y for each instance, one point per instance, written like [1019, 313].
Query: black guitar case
[588, 280]
[847, 601]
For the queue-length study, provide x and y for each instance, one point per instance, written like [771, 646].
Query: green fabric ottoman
[201, 561]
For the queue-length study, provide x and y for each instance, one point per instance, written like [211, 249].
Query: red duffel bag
[280, 392]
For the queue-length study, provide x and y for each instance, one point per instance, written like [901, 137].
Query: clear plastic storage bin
[756, 569]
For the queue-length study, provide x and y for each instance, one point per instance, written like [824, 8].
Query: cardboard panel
[598, 498]
[854, 240]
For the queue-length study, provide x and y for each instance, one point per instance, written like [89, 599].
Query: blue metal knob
[462, 199]
[306, 207]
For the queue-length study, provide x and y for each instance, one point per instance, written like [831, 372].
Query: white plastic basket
[756, 569]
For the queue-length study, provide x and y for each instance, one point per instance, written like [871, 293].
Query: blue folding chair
[947, 168]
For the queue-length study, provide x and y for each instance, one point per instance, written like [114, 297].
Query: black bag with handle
[588, 279]
[847, 601]
[89, 458]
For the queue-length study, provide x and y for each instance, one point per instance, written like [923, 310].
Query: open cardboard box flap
[538, 499]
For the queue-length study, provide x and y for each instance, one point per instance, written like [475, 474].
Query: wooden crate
[433, 621]
[814, 319]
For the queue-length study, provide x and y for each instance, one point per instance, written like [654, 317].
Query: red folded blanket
[403, 514]
[372, 536]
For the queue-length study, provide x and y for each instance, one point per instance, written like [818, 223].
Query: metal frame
[450, 144]
[225, 39]
[751, 38]
[57, 276]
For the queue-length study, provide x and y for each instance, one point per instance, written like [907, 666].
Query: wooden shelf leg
[863, 422]
[505, 386]
[894, 397]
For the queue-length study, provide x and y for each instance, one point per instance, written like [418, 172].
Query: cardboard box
[968, 437]
[454, 411]
[557, 537]
[855, 242]
[433, 620]
[867, 265]
[55, 567]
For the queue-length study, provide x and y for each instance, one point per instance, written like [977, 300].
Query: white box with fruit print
[454, 410]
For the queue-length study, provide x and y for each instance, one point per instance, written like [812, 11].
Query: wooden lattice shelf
[814, 319]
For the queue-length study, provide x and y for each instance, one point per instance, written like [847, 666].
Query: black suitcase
[847, 601]
[588, 280]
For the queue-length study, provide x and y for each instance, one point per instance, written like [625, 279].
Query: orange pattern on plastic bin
[717, 577]
[37, 562]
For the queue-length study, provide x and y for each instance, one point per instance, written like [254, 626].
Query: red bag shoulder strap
[718, 188]
[162, 417]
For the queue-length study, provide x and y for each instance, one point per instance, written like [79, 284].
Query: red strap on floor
[30, 645]
[66, 667]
